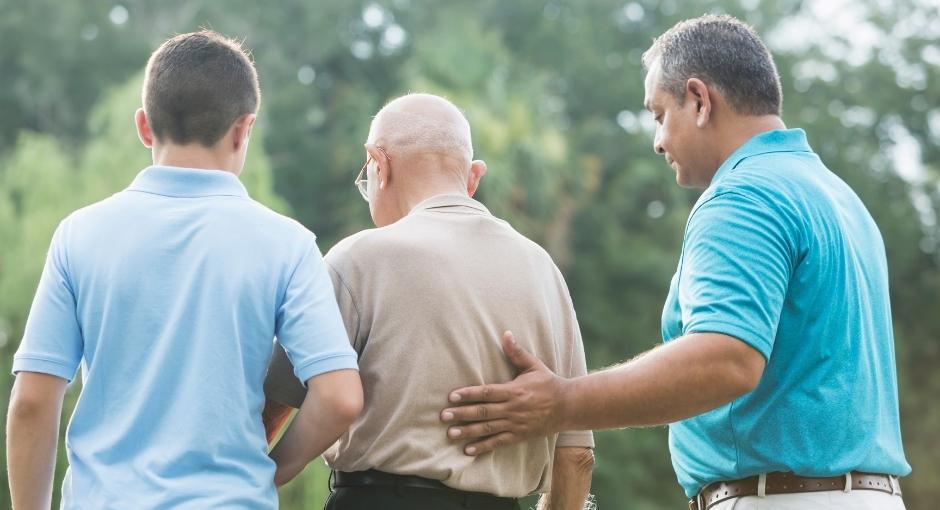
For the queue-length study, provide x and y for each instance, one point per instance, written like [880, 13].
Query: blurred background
[553, 91]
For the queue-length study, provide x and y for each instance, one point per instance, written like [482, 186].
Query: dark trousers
[411, 498]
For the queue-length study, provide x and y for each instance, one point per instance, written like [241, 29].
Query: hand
[531, 405]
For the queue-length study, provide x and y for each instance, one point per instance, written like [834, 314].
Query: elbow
[745, 371]
[347, 405]
[581, 460]
[350, 408]
[28, 408]
[25, 404]
[585, 461]
[338, 394]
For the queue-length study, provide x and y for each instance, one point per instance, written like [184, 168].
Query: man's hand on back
[496, 415]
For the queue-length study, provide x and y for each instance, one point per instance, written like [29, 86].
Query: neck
[424, 177]
[742, 129]
[414, 195]
[193, 156]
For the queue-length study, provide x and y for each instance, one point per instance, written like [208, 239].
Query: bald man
[420, 296]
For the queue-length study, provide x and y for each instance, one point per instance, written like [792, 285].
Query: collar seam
[168, 195]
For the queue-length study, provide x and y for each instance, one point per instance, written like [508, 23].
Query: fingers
[474, 413]
[491, 443]
[478, 430]
[521, 358]
[485, 393]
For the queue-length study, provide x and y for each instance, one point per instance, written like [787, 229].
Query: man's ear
[383, 165]
[143, 128]
[477, 171]
[699, 93]
[241, 130]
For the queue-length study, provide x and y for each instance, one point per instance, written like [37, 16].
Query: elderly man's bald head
[423, 124]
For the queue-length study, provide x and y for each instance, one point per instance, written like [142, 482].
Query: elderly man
[420, 295]
[778, 372]
[169, 295]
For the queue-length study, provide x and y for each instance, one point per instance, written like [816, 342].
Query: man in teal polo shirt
[777, 375]
[169, 294]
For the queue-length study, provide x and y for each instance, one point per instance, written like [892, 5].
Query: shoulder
[368, 240]
[778, 185]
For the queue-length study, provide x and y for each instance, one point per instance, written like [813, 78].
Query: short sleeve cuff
[756, 340]
[575, 439]
[331, 363]
[44, 366]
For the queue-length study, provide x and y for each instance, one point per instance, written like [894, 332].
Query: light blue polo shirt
[169, 295]
[780, 253]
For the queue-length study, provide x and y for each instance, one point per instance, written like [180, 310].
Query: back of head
[196, 86]
[723, 52]
[417, 125]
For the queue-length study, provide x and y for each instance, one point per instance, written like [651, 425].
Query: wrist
[563, 404]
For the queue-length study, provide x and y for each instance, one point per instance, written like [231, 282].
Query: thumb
[521, 358]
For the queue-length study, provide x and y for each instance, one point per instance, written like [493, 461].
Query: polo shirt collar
[180, 182]
[777, 140]
[450, 202]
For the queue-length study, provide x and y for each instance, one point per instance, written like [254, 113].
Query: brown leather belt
[789, 483]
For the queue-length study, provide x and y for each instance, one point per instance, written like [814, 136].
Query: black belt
[374, 478]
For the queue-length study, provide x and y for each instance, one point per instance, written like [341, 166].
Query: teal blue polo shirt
[169, 295]
[781, 254]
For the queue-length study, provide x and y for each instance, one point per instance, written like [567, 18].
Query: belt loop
[848, 483]
[700, 501]
[762, 485]
[893, 483]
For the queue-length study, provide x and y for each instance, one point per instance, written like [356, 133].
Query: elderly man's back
[423, 300]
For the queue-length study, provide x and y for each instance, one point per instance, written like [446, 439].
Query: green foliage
[553, 91]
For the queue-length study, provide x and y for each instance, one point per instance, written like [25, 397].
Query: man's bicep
[736, 267]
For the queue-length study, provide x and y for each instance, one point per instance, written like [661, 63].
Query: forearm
[32, 436]
[683, 378]
[571, 479]
[324, 416]
[307, 437]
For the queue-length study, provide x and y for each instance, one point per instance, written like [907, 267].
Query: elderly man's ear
[382, 166]
[477, 171]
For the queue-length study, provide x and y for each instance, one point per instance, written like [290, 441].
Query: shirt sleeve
[52, 340]
[348, 308]
[572, 363]
[736, 267]
[281, 385]
[309, 325]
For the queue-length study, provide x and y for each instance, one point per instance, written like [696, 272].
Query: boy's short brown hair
[196, 86]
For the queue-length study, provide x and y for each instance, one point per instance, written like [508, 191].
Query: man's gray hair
[723, 52]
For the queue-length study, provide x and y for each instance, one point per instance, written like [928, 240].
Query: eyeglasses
[362, 180]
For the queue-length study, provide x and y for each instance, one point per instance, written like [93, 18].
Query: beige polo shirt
[425, 301]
